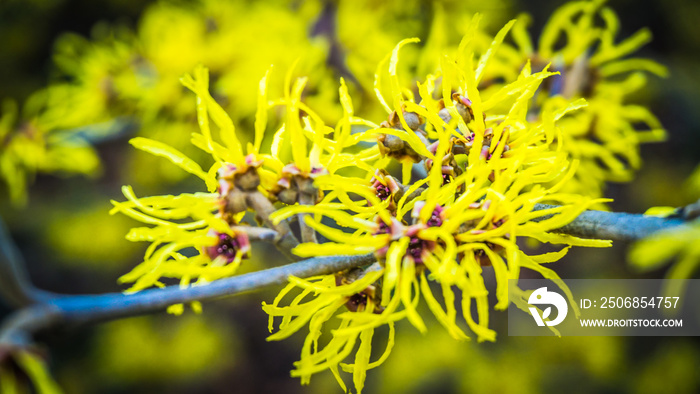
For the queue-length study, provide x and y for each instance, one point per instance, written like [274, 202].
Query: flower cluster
[424, 163]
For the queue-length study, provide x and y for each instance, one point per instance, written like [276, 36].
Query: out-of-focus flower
[123, 76]
[605, 136]
[679, 244]
[659, 249]
[440, 23]
[121, 73]
[94, 74]
[30, 146]
[145, 350]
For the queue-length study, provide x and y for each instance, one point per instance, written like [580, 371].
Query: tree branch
[616, 226]
[81, 309]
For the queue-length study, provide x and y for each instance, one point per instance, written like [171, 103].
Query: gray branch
[616, 226]
[82, 309]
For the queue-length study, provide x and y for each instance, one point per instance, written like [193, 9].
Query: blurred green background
[73, 246]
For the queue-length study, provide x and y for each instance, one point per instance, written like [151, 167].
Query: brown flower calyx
[462, 146]
[297, 186]
[412, 119]
[436, 219]
[234, 182]
[417, 247]
[462, 105]
[450, 167]
[393, 146]
[370, 295]
[489, 147]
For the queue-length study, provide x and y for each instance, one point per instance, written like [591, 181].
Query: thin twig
[257, 233]
[15, 287]
[286, 241]
[576, 77]
[308, 234]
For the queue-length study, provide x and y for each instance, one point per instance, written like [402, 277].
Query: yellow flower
[92, 79]
[355, 290]
[440, 23]
[210, 222]
[449, 245]
[205, 222]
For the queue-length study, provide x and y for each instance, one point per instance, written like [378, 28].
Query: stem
[308, 234]
[81, 309]
[257, 233]
[575, 78]
[616, 226]
[286, 241]
[15, 287]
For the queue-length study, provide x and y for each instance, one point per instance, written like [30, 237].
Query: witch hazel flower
[199, 237]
